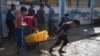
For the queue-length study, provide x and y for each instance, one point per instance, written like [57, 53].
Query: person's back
[40, 14]
[41, 20]
[31, 11]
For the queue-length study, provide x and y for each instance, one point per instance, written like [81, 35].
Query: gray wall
[84, 3]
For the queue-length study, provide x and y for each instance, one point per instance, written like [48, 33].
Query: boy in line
[41, 19]
[18, 28]
[31, 10]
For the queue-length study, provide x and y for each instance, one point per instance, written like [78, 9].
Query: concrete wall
[84, 3]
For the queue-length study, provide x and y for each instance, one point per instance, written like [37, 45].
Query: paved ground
[81, 43]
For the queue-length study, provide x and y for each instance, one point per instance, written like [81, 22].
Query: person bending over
[62, 36]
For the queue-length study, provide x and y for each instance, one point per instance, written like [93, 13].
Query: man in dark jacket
[10, 17]
[31, 11]
[41, 19]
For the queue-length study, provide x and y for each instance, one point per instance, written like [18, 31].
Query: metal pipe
[92, 11]
[77, 3]
[0, 18]
[89, 3]
[62, 7]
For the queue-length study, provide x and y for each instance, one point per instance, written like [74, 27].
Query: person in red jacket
[29, 20]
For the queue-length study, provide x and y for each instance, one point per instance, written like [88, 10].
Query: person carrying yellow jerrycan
[37, 37]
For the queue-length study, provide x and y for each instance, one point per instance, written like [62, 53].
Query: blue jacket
[10, 16]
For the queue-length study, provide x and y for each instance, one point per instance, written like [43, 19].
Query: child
[18, 28]
[62, 36]
[41, 19]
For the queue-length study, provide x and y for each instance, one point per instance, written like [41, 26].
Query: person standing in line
[10, 18]
[18, 28]
[31, 11]
[41, 19]
[51, 24]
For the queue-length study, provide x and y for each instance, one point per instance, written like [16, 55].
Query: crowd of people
[36, 22]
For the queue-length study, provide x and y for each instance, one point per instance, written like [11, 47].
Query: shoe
[60, 51]
[61, 54]
[2, 49]
[51, 50]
